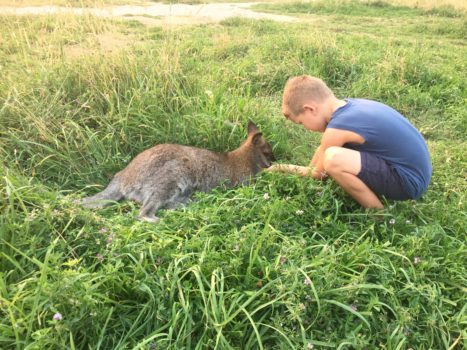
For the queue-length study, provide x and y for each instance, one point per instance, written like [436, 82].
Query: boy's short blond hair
[302, 89]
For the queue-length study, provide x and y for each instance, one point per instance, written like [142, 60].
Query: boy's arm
[331, 137]
[290, 169]
[315, 157]
[296, 169]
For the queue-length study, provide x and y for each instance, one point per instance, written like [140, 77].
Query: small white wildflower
[209, 93]
[307, 281]
[408, 222]
[353, 307]
[392, 221]
[417, 260]
[310, 346]
[110, 239]
[31, 216]
[299, 212]
[266, 196]
[287, 198]
[302, 306]
[57, 317]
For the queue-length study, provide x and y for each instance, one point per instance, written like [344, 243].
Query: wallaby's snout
[269, 154]
[266, 155]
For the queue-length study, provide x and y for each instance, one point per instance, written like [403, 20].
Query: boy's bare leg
[343, 165]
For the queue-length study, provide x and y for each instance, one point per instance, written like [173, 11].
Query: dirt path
[158, 13]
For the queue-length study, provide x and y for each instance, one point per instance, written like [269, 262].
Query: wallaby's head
[262, 150]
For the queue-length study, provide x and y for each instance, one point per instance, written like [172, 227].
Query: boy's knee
[332, 159]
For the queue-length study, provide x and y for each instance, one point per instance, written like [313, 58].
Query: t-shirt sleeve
[358, 125]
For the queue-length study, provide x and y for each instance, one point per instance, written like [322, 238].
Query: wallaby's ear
[258, 139]
[252, 128]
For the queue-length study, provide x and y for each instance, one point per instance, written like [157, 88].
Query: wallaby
[166, 175]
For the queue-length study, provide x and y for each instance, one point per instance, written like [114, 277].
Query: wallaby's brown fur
[166, 175]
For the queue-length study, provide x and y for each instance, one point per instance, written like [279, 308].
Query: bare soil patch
[164, 13]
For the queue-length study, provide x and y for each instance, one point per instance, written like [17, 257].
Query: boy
[368, 148]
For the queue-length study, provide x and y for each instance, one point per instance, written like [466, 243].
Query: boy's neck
[334, 104]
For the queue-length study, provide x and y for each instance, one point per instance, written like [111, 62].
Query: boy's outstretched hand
[297, 169]
[289, 169]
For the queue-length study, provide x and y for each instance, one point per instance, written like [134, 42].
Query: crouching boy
[368, 148]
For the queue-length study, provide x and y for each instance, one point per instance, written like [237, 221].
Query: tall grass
[284, 263]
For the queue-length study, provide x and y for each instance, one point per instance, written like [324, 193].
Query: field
[284, 263]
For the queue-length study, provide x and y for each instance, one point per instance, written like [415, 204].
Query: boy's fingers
[276, 168]
[271, 168]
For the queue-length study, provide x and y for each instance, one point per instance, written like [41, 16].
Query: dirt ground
[157, 13]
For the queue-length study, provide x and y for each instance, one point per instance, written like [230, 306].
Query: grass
[284, 263]
[375, 8]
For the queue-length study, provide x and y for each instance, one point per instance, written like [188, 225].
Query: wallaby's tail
[110, 194]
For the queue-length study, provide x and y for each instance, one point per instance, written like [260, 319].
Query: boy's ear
[252, 128]
[309, 107]
[258, 139]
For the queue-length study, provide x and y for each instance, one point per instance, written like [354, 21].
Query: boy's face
[310, 118]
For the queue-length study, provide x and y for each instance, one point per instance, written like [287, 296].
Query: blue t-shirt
[389, 136]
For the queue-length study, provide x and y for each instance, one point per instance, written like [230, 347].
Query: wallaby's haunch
[166, 175]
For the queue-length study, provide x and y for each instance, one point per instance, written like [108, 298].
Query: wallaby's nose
[269, 160]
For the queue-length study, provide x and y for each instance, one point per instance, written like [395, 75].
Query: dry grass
[429, 4]
[103, 43]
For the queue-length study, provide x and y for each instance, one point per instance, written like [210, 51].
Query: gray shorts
[381, 177]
